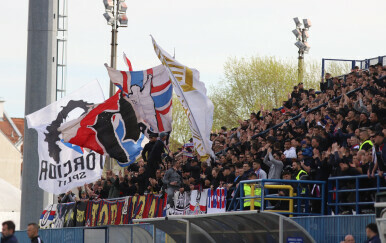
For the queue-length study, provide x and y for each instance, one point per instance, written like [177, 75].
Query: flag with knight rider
[62, 165]
[109, 128]
[150, 92]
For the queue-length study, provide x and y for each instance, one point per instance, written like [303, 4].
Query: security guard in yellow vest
[297, 168]
[248, 193]
[366, 145]
[299, 172]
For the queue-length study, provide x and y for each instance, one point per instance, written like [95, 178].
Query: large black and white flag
[63, 166]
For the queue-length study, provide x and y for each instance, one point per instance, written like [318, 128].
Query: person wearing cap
[155, 155]
[149, 146]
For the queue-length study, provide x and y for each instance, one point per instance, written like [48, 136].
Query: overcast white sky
[203, 32]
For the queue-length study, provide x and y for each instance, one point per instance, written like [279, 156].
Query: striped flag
[217, 200]
[150, 93]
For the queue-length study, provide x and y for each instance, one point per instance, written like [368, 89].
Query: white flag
[63, 166]
[191, 92]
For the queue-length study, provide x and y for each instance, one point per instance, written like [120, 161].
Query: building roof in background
[19, 122]
[12, 128]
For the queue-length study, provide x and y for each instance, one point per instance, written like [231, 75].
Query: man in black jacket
[149, 146]
[155, 156]
[33, 233]
[327, 84]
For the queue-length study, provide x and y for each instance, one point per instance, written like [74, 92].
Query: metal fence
[333, 229]
[362, 64]
[352, 194]
[299, 199]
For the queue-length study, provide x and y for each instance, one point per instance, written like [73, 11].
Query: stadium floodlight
[297, 33]
[297, 22]
[123, 20]
[109, 4]
[115, 14]
[301, 43]
[307, 23]
[109, 17]
[122, 7]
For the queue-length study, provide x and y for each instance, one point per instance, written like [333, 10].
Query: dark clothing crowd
[337, 131]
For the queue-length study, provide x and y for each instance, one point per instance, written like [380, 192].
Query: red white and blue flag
[217, 200]
[108, 128]
[47, 217]
[150, 92]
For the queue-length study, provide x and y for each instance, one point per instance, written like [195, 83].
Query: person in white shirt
[289, 152]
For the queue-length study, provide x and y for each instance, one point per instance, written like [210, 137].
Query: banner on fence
[216, 200]
[48, 216]
[181, 204]
[123, 210]
[65, 215]
[80, 213]
[198, 201]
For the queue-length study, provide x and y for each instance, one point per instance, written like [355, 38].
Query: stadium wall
[322, 229]
[335, 228]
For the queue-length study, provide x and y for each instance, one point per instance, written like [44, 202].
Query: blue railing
[302, 196]
[343, 189]
[362, 64]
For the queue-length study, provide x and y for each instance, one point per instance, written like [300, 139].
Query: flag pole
[175, 81]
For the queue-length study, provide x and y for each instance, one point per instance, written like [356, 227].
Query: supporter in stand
[275, 164]
[260, 173]
[111, 185]
[173, 181]
[67, 197]
[149, 146]
[155, 155]
[342, 136]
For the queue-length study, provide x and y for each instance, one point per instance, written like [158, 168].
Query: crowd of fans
[344, 137]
